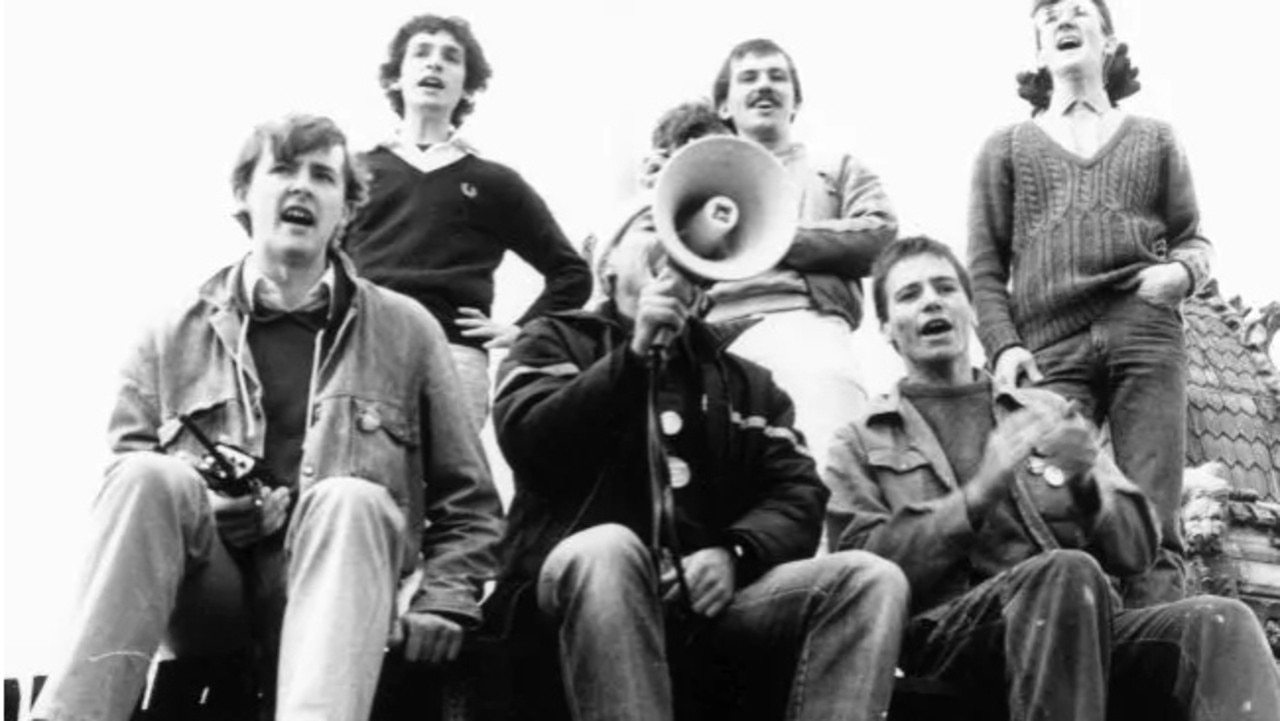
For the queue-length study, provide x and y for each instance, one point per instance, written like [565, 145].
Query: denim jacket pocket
[212, 417]
[385, 444]
[905, 476]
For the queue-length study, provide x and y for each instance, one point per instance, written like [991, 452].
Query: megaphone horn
[724, 209]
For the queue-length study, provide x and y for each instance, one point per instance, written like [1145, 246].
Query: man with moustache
[440, 217]
[1084, 239]
[809, 305]
[345, 392]
[818, 635]
[1007, 521]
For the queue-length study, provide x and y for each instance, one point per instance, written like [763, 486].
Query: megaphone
[724, 209]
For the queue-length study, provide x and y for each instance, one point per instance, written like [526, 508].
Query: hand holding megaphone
[664, 306]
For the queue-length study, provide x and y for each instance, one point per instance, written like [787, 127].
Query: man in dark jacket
[571, 418]
[1006, 519]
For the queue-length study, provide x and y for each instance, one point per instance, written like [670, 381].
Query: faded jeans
[1048, 640]
[1129, 367]
[830, 625]
[158, 572]
[472, 365]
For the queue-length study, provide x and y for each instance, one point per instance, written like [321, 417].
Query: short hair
[1119, 76]
[475, 65]
[757, 47]
[685, 123]
[905, 248]
[291, 136]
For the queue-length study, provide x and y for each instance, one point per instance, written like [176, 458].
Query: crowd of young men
[299, 442]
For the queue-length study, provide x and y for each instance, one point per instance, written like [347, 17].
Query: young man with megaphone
[600, 593]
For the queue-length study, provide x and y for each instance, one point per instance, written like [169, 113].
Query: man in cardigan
[346, 394]
[818, 635]
[440, 217]
[806, 308]
[997, 504]
[1083, 240]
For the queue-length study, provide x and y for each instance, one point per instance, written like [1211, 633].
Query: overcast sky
[121, 120]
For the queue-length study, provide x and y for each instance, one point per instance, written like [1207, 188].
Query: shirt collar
[435, 156]
[1064, 105]
[263, 294]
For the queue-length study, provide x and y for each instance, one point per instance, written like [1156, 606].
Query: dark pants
[1129, 367]
[1048, 640]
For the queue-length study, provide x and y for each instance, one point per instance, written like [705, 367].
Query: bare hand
[1016, 366]
[652, 166]
[711, 580]
[427, 637]
[665, 303]
[1009, 446]
[1165, 284]
[248, 519]
[475, 324]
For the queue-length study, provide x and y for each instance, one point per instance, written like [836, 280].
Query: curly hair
[1119, 75]
[477, 70]
[756, 46]
[288, 138]
[686, 122]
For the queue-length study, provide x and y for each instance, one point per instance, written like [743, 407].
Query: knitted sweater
[1052, 235]
[439, 236]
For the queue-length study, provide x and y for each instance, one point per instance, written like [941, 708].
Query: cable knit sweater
[1052, 235]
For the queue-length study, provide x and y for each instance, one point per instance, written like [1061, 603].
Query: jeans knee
[340, 497]
[1066, 566]
[154, 475]
[868, 573]
[598, 560]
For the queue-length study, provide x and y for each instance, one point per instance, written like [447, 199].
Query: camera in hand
[228, 469]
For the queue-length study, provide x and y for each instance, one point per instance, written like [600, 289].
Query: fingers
[1032, 371]
[430, 638]
[275, 510]
[472, 314]
[711, 583]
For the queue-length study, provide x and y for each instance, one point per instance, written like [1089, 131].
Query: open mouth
[431, 82]
[1069, 41]
[937, 326]
[298, 216]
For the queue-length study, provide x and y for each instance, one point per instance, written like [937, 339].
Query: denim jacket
[386, 406]
[895, 494]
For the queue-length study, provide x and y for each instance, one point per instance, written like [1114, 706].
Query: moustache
[764, 94]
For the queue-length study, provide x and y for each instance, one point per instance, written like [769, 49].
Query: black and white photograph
[696, 360]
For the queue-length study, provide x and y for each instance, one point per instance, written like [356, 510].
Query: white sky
[121, 120]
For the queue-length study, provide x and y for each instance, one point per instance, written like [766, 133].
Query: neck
[420, 126]
[1078, 82]
[775, 139]
[293, 279]
[951, 372]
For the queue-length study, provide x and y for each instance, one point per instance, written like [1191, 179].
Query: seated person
[571, 412]
[1007, 520]
[347, 396]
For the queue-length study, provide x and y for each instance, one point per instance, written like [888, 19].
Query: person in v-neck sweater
[440, 218]
[1083, 240]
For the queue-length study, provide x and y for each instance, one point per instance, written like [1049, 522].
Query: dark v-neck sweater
[439, 236]
[1052, 235]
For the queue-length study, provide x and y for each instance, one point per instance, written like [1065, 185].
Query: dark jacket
[570, 417]
[896, 495]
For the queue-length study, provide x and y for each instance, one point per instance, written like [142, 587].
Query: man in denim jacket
[1007, 521]
[347, 395]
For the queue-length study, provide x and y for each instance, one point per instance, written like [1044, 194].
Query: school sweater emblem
[469, 190]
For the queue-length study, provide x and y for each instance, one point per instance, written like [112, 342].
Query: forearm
[846, 247]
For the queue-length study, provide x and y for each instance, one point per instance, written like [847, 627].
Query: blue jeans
[833, 624]
[158, 572]
[1048, 640]
[1129, 367]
